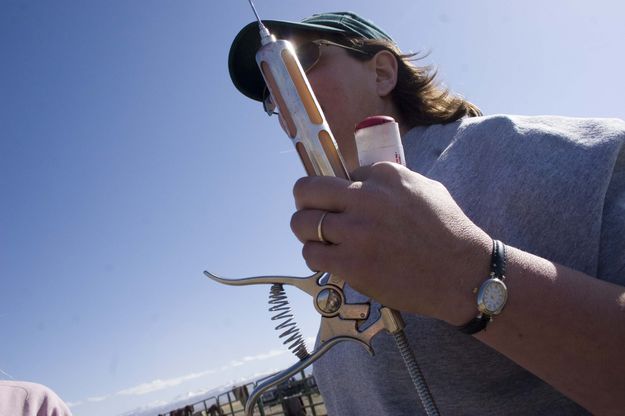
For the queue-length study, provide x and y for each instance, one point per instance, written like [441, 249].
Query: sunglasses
[308, 55]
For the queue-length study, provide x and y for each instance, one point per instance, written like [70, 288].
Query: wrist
[492, 294]
[473, 268]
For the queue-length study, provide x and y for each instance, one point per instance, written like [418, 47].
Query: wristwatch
[492, 294]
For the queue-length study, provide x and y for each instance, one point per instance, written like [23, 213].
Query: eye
[308, 55]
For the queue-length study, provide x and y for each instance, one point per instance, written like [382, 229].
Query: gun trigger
[336, 281]
[357, 311]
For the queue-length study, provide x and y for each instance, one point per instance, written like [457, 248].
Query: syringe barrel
[302, 117]
[378, 140]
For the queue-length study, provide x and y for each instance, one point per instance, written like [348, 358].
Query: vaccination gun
[306, 126]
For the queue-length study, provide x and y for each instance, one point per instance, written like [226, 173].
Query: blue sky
[129, 164]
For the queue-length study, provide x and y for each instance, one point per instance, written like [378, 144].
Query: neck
[403, 129]
[392, 111]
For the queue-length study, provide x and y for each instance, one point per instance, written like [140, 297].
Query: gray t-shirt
[551, 186]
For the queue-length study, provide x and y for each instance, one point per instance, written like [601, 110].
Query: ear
[385, 65]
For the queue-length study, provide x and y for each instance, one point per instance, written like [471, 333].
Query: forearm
[427, 257]
[565, 327]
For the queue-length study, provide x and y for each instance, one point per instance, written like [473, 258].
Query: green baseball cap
[242, 58]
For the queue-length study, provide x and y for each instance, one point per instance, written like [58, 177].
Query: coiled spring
[280, 304]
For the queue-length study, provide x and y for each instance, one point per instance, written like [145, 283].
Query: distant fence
[298, 396]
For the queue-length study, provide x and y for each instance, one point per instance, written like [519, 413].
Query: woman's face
[346, 91]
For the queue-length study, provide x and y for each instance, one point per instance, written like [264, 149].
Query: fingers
[319, 256]
[324, 257]
[379, 171]
[307, 224]
[322, 192]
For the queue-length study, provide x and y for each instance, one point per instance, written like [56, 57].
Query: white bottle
[378, 140]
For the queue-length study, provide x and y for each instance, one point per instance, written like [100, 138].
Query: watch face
[492, 296]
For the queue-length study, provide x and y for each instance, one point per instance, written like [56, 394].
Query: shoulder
[584, 131]
[573, 127]
[512, 139]
[25, 398]
[548, 138]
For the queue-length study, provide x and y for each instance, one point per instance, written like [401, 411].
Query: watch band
[475, 325]
[498, 260]
[497, 270]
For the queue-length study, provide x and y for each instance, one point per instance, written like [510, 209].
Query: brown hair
[417, 95]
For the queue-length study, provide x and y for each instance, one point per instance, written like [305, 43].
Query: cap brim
[244, 72]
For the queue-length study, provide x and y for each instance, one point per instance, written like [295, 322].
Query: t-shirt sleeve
[612, 244]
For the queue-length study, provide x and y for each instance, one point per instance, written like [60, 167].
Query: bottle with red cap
[378, 140]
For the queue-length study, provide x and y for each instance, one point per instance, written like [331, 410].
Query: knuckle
[299, 187]
[387, 169]
[355, 186]
[437, 187]
[295, 222]
[354, 194]
[308, 252]
[440, 186]
[300, 225]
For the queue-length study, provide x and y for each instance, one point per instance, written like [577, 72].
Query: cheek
[338, 110]
[331, 95]
[340, 94]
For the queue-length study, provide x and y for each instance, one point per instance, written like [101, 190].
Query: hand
[395, 236]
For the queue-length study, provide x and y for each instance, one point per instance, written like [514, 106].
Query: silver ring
[319, 231]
